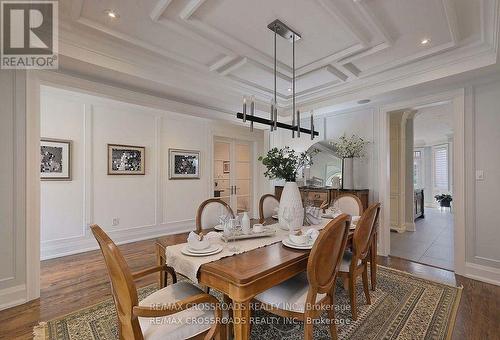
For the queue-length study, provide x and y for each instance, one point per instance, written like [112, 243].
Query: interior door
[233, 173]
[242, 177]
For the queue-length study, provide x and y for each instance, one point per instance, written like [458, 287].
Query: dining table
[241, 277]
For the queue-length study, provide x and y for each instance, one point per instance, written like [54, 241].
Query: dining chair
[267, 206]
[209, 212]
[164, 314]
[355, 261]
[349, 204]
[307, 295]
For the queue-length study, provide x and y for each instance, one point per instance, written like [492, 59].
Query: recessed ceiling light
[112, 14]
[425, 41]
[289, 90]
[364, 101]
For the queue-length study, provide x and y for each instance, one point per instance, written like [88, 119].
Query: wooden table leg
[160, 260]
[241, 319]
[228, 303]
[373, 262]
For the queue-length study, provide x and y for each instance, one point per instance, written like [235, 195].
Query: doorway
[233, 173]
[421, 172]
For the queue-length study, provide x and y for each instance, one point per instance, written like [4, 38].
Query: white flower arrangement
[353, 147]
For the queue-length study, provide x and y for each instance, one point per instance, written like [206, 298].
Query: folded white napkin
[213, 235]
[312, 234]
[193, 237]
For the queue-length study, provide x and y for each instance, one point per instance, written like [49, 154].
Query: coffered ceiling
[222, 49]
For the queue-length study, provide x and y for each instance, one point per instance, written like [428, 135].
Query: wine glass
[233, 230]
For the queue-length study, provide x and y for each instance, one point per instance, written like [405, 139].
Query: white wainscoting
[147, 206]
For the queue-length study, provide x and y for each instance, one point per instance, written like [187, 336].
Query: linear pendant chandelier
[279, 28]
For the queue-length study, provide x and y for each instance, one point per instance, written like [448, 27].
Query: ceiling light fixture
[364, 101]
[286, 32]
[425, 41]
[112, 14]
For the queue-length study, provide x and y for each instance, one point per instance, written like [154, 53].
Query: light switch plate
[479, 175]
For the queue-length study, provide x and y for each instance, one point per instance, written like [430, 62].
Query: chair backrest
[209, 212]
[267, 205]
[327, 253]
[122, 285]
[364, 231]
[349, 204]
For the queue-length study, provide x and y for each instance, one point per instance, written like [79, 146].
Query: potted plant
[444, 200]
[284, 164]
[348, 149]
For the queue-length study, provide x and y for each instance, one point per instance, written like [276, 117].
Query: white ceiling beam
[451, 18]
[365, 11]
[190, 8]
[159, 9]
[221, 62]
[234, 66]
[339, 17]
[337, 73]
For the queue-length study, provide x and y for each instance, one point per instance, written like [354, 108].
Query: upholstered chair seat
[179, 325]
[290, 295]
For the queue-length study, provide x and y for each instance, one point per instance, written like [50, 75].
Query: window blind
[441, 168]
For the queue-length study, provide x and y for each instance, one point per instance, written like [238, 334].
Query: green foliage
[443, 198]
[284, 163]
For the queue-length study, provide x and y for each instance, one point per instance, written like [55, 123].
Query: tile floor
[431, 243]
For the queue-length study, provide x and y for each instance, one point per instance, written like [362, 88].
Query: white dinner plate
[219, 227]
[188, 252]
[290, 244]
[209, 249]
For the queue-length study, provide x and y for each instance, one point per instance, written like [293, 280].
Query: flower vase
[291, 200]
[348, 173]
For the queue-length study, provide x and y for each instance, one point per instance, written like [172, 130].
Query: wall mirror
[326, 170]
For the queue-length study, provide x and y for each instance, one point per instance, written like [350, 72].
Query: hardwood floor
[77, 281]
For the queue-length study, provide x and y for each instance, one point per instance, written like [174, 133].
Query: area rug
[404, 306]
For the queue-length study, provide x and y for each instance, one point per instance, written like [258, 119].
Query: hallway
[431, 243]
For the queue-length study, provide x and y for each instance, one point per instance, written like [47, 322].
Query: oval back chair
[267, 205]
[303, 295]
[355, 262]
[175, 300]
[349, 204]
[209, 212]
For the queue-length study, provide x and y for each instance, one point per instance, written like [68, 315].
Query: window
[418, 178]
[441, 168]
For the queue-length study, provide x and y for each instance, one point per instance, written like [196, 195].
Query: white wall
[146, 206]
[12, 189]
[483, 143]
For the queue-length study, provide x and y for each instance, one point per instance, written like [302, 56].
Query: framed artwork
[126, 159]
[55, 159]
[184, 164]
[226, 167]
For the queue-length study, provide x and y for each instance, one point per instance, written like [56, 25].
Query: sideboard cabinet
[320, 195]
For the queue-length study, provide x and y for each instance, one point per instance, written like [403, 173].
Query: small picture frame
[184, 164]
[226, 167]
[55, 159]
[126, 159]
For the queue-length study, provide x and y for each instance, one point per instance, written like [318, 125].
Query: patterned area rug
[403, 307]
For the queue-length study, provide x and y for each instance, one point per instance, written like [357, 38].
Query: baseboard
[410, 226]
[59, 248]
[12, 296]
[482, 273]
[399, 229]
